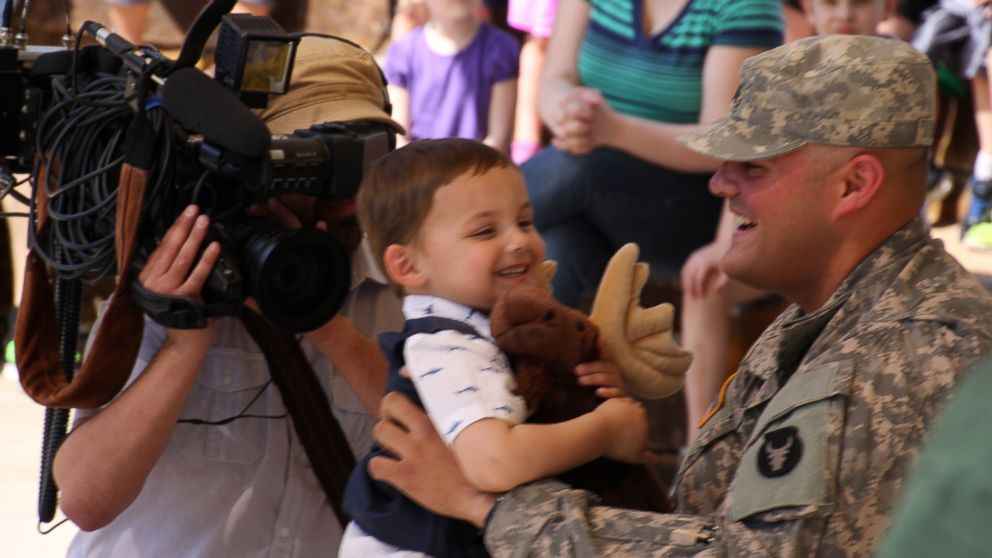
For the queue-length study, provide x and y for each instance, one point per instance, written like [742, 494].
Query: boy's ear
[401, 266]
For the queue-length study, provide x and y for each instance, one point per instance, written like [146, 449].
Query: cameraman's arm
[356, 357]
[102, 466]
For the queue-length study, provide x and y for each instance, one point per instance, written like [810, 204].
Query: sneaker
[981, 191]
[979, 236]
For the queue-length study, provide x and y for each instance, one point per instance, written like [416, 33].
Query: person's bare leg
[129, 20]
[983, 112]
[706, 332]
[527, 123]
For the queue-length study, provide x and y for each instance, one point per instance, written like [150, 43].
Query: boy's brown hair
[397, 193]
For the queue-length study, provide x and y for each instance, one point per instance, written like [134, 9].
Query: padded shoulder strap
[115, 347]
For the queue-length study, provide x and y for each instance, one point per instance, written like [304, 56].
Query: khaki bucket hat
[332, 81]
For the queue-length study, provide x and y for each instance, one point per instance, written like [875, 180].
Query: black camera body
[298, 278]
[13, 88]
[24, 95]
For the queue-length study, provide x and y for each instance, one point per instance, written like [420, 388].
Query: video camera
[73, 118]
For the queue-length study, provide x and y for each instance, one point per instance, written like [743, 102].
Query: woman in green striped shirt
[622, 80]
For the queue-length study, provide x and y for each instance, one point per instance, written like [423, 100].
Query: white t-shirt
[460, 378]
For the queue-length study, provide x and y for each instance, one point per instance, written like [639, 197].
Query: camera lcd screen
[266, 68]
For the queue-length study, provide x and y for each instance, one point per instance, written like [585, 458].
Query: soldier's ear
[863, 178]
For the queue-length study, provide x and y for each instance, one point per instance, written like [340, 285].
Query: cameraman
[143, 475]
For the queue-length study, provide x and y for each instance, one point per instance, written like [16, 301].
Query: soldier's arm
[548, 518]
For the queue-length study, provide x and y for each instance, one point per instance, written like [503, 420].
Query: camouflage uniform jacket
[807, 452]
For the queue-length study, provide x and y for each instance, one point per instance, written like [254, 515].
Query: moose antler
[639, 338]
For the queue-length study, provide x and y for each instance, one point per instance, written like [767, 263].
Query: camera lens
[299, 278]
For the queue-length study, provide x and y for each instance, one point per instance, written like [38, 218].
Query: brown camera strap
[115, 346]
[304, 397]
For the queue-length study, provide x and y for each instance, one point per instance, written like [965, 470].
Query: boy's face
[847, 17]
[478, 240]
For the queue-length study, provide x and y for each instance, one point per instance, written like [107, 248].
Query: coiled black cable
[81, 143]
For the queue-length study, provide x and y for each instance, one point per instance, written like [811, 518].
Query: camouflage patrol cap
[846, 90]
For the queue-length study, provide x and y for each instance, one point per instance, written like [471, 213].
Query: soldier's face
[783, 231]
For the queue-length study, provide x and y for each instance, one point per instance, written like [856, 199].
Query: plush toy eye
[549, 316]
[580, 326]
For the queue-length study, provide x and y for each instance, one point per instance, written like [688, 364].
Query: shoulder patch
[718, 401]
[780, 452]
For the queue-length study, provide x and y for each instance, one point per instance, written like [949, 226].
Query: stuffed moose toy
[545, 340]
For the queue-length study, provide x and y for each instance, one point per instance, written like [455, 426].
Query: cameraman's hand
[172, 269]
[292, 211]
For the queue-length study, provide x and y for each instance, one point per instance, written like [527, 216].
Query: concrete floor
[20, 438]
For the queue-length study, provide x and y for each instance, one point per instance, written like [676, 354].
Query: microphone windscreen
[204, 106]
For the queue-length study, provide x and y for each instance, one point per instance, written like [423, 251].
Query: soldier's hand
[424, 468]
[628, 426]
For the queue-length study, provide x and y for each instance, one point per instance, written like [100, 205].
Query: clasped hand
[583, 122]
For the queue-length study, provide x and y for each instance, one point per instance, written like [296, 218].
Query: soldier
[805, 449]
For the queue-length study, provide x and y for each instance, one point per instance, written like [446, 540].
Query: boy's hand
[628, 425]
[603, 373]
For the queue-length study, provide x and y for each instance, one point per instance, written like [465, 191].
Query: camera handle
[206, 21]
[180, 312]
[223, 295]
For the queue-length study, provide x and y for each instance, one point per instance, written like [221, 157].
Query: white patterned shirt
[460, 378]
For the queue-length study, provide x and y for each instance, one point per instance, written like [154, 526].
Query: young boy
[451, 221]
[454, 77]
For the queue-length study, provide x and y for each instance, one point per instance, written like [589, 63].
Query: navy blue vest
[381, 510]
